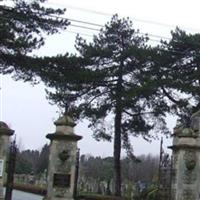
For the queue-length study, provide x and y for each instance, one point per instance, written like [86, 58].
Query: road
[18, 195]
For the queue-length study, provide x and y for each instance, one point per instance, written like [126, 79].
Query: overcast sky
[25, 107]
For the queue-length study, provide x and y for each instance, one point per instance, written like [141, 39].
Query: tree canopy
[23, 27]
[176, 67]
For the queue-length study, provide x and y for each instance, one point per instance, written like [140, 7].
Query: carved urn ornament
[190, 160]
[190, 164]
[64, 155]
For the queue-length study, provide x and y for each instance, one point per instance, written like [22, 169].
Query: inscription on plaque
[61, 180]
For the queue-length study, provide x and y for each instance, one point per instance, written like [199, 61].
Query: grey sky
[25, 108]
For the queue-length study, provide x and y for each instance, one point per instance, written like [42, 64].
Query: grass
[31, 188]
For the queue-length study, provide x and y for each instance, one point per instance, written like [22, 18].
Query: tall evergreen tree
[110, 84]
[23, 27]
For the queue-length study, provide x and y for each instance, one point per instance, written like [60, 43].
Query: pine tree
[109, 83]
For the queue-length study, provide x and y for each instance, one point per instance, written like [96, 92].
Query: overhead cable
[133, 18]
[89, 28]
[99, 25]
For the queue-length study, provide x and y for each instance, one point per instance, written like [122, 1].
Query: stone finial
[181, 131]
[64, 129]
[5, 130]
[65, 120]
[178, 128]
[3, 125]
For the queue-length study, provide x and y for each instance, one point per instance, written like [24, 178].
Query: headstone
[5, 132]
[186, 161]
[1, 167]
[62, 160]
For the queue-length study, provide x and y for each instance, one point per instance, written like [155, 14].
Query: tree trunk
[117, 136]
[117, 153]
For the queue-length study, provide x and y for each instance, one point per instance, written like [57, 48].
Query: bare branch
[137, 114]
[181, 103]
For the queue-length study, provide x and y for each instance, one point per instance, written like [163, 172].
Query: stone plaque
[61, 180]
[1, 167]
[188, 194]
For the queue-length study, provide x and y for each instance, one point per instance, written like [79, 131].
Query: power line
[84, 27]
[99, 25]
[140, 33]
[133, 18]
[156, 36]
[79, 33]
[64, 18]
[98, 30]
[94, 29]
[109, 14]
[153, 40]
[89, 28]
[84, 22]
[88, 35]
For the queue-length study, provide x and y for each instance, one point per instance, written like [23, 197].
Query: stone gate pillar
[5, 132]
[186, 161]
[62, 160]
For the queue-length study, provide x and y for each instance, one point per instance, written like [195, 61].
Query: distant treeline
[32, 161]
[144, 169]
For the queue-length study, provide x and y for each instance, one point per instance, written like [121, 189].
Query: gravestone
[185, 183]
[62, 160]
[5, 133]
